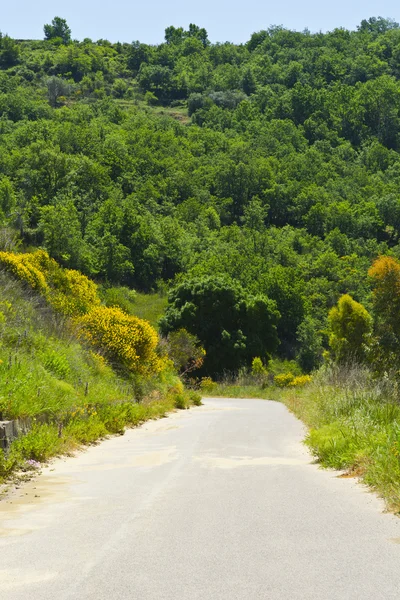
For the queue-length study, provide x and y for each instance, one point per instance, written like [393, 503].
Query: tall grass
[354, 422]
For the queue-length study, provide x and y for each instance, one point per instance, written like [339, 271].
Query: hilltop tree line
[266, 174]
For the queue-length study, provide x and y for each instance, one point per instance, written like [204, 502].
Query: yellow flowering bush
[301, 380]
[284, 379]
[124, 338]
[67, 290]
[75, 293]
[207, 384]
[22, 267]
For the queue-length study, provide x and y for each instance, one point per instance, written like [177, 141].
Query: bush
[207, 384]
[20, 266]
[180, 402]
[258, 370]
[125, 339]
[300, 380]
[185, 351]
[284, 380]
[231, 325]
[350, 330]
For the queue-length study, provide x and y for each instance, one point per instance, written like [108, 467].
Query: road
[221, 502]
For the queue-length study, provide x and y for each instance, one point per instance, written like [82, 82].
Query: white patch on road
[249, 461]
[14, 578]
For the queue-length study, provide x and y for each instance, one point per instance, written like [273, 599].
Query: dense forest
[257, 182]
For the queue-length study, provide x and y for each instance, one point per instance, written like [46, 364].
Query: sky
[225, 20]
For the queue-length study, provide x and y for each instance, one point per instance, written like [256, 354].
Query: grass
[179, 113]
[353, 422]
[145, 306]
[63, 393]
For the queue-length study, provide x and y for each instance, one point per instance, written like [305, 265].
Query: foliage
[257, 367]
[21, 266]
[273, 163]
[231, 326]
[58, 30]
[125, 339]
[284, 379]
[350, 330]
[68, 291]
[300, 380]
[185, 351]
[385, 274]
[65, 394]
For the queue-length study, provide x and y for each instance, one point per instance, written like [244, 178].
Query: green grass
[145, 306]
[225, 390]
[354, 425]
[64, 393]
[179, 113]
[149, 306]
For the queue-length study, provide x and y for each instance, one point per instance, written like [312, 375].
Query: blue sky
[225, 20]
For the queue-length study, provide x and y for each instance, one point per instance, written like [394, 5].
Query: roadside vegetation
[73, 370]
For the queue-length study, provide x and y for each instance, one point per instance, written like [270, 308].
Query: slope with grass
[61, 390]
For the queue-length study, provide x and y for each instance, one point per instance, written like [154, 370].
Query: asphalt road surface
[219, 502]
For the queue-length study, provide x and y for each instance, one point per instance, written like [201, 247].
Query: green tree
[232, 326]
[56, 87]
[9, 52]
[58, 30]
[61, 230]
[185, 351]
[350, 327]
[309, 355]
[385, 275]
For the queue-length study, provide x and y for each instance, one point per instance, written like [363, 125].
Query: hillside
[273, 164]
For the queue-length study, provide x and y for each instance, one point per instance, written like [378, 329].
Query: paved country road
[219, 502]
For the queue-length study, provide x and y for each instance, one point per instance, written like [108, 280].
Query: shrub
[207, 384]
[75, 294]
[20, 266]
[195, 398]
[257, 368]
[350, 330]
[185, 351]
[180, 401]
[385, 273]
[300, 380]
[68, 291]
[125, 339]
[284, 380]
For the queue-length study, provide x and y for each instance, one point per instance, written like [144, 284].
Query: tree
[62, 235]
[385, 274]
[309, 355]
[56, 87]
[185, 351]
[377, 25]
[232, 326]
[58, 29]
[350, 327]
[9, 52]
